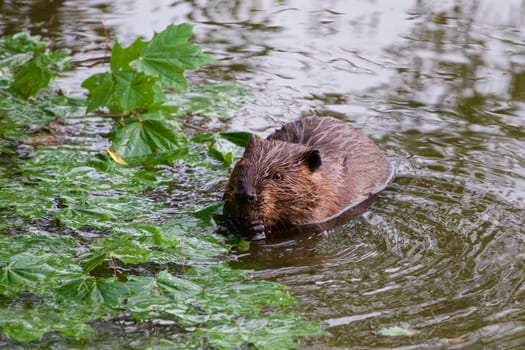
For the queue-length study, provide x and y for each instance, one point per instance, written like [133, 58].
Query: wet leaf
[27, 324]
[397, 331]
[94, 291]
[21, 271]
[20, 43]
[122, 91]
[216, 147]
[23, 330]
[32, 77]
[67, 211]
[36, 74]
[206, 215]
[116, 158]
[239, 138]
[177, 287]
[211, 101]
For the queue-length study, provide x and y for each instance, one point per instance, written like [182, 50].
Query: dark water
[439, 85]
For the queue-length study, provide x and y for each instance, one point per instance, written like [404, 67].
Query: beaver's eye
[278, 176]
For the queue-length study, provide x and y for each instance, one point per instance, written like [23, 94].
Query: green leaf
[26, 324]
[147, 136]
[36, 74]
[216, 152]
[122, 248]
[100, 87]
[239, 138]
[121, 57]
[94, 291]
[20, 272]
[177, 287]
[216, 147]
[123, 90]
[206, 214]
[132, 91]
[66, 210]
[32, 77]
[397, 331]
[22, 330]
[21, 43]
[169, 54]
[211, 101]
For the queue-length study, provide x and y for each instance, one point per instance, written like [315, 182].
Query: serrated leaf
[32, 77]
[132, 91]
[177, 287]
[20, 272]
[102, 250]
[99, 87]
[122, 91]
[21, 42]
[94, 291]
[56, 204]
[131, 252]
[206, 214]
[27, 324]
[36, 74]
[216, 152]
[121, 57]
[216, 147]
[239, 138]
[148, 136]
[96, 259]
[169, 54]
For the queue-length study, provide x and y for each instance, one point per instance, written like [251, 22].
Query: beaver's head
[274, 184]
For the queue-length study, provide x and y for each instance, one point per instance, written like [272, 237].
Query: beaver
[305, 172]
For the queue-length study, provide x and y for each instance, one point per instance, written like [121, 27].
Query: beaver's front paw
[257, 230]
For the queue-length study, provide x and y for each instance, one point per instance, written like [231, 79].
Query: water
[439, 85]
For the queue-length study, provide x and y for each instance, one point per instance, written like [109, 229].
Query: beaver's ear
[252, 141]
[312, 159]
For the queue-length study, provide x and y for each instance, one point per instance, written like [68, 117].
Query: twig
[114, 266]
[106, 38]
[194, 127]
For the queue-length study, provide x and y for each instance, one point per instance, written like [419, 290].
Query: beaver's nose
[246, 194]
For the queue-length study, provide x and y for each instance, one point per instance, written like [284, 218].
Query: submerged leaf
[216, 147]
[397, 331]
[20, 272]
[94, 291]
[211, 101]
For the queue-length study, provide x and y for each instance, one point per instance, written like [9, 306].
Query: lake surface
[440, 86]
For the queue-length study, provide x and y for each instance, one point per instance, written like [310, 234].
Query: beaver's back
[353, 162]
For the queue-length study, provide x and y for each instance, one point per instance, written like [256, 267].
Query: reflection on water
[439, 85]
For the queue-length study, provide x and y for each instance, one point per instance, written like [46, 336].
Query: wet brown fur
[350, 166]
